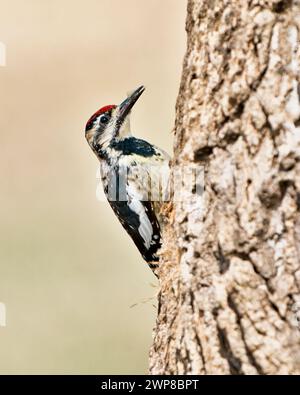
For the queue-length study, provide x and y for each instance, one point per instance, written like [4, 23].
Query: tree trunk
[230, 273]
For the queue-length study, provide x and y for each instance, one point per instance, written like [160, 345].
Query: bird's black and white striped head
[110, 123]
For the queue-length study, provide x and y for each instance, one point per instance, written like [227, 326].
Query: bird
[134, 174]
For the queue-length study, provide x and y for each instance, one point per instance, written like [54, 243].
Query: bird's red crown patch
[102, 110]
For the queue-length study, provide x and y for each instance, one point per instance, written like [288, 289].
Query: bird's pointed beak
[126, 106]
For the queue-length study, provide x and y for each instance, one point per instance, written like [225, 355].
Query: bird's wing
[139, 220]
[142, 177]
[149, 174]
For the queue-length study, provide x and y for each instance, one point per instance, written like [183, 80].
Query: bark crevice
[250, 354]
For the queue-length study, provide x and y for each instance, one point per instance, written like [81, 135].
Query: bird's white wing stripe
[145, 228]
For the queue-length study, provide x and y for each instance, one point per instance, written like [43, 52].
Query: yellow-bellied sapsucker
[131, 173]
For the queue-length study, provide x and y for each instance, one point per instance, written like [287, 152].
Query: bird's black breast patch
[132, 145]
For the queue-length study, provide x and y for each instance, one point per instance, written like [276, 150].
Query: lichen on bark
[230, 271]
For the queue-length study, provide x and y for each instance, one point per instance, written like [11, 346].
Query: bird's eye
[104, 119]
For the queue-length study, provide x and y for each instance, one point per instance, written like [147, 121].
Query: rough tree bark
[230, 276]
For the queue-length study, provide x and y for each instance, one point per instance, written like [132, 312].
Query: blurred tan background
[69, 274]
